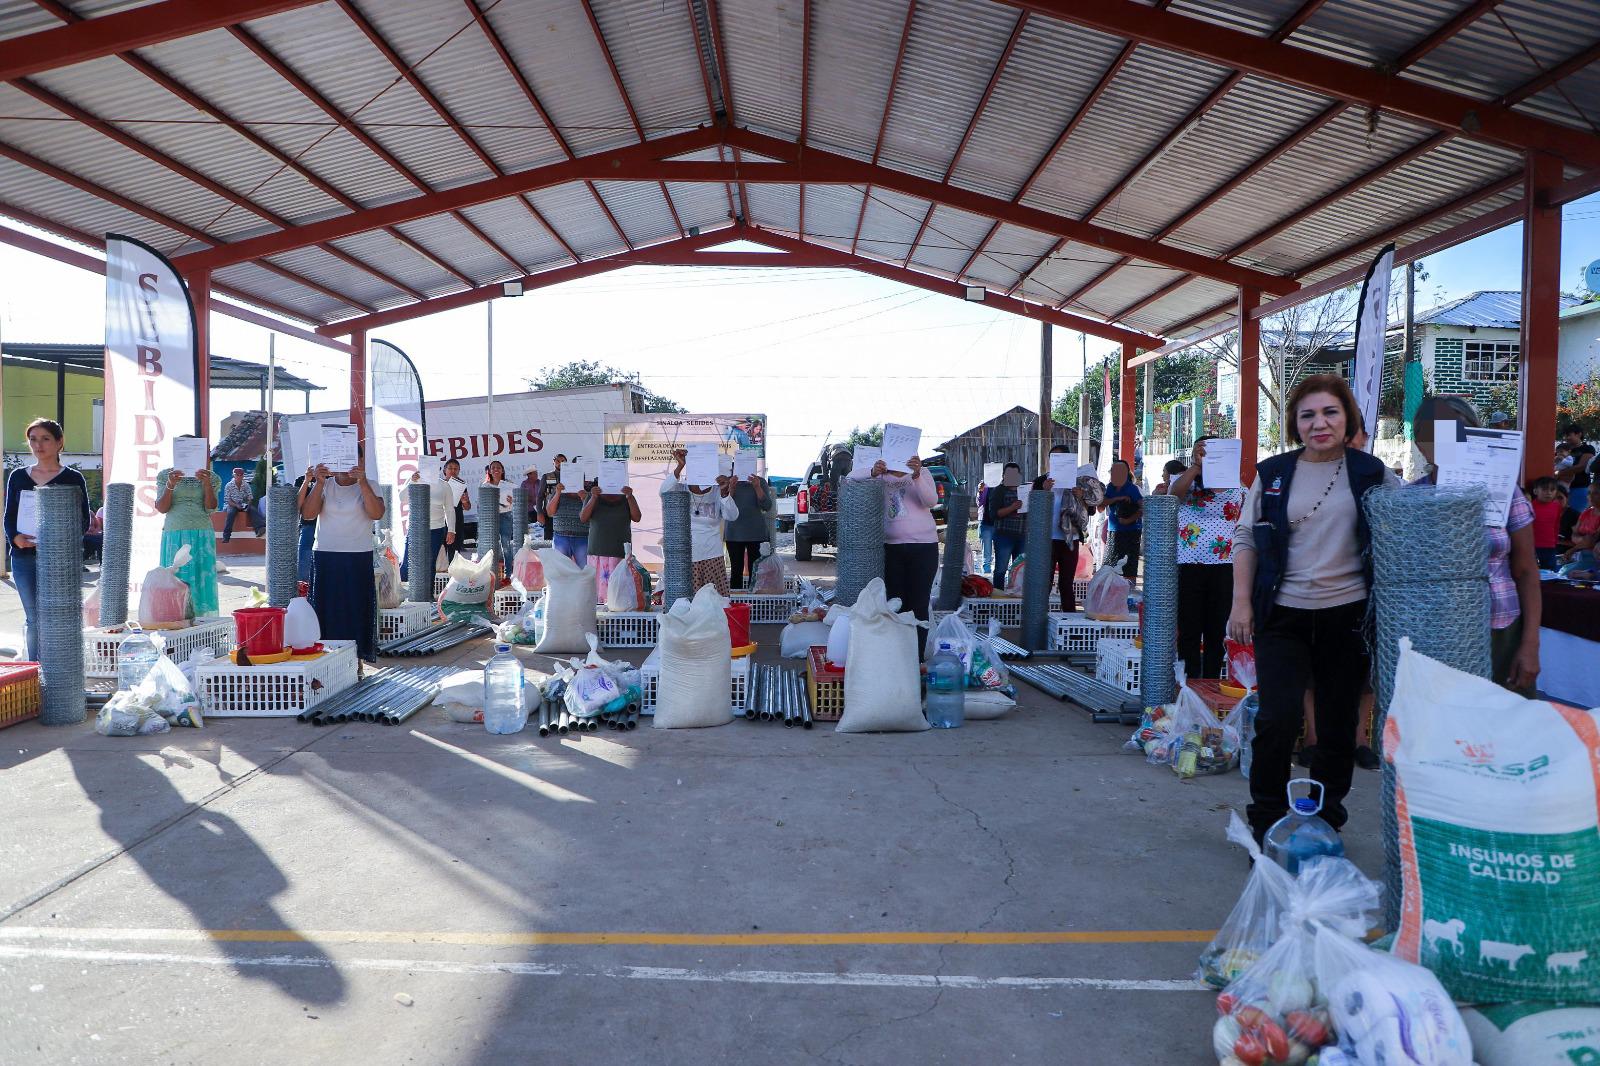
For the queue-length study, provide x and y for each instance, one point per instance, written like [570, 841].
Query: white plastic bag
[798, 638]
[386, 572]
[1107, 596]
[1254, 923]
[767, 576]
[167, 692]
[1386, 1010]
[164, 601]
[838, 635]
[123, 716]
[985, 668]
[811, 605]
[91, 608]
[883, 692]
[696, 682]
[953, 633]
[1191, 740]
[568, 605]
[466, 595]
[628, 588]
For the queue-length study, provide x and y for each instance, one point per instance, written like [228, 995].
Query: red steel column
[1125, 431]
[358, 383]
[199, 283]
[1248, 409]
[1541, 306]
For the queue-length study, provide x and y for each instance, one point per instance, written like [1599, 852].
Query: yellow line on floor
[601, 939]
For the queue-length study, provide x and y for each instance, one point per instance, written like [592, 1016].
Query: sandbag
[1499, 843]
[798, 638]
[883, 689]
[164, 601]
[1534, 1034]
[568, 605]
[696, 682]
[466, 595]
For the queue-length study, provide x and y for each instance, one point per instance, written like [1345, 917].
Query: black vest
[1366, 472]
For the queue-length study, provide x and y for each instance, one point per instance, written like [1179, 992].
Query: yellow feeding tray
[1232, 690]
[748, 649]
[262, 660]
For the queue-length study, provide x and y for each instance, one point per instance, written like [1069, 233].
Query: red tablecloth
[1571, 609]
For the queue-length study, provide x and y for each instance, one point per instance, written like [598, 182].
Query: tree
[1179, 377]
[582, 372]
[872, 436]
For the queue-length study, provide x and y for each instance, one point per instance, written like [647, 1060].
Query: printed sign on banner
[398, 429]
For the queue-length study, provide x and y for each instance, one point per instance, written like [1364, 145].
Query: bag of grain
[883, 682]
[1534, 1034]
[568, 605]
[696, 681]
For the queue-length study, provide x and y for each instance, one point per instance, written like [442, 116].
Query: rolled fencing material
[519, 519]
[283, 544]
[957, 512]
[861, 506]
[1430, 582]
[1040, 569]
[1158, 683]
[116, 554]
[60, 604]
[488, 502]
[677, 565]
[419, 561]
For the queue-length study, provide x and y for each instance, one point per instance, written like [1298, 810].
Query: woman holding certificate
[910, 537]
[344, 592]
[188, 499]
[45, 442]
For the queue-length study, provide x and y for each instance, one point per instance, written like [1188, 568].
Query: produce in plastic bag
[124, 716]
[596, 685]
[169, 693]
[985, 669]
[810, 605]
[467, 593]
[1107, 597]
[164, 601]
[527, 572]
[1386, 1010]
[767, 576]
[1253, 925]
[628, 588]
[1190, 739]
[386, 572]
[1241, 663]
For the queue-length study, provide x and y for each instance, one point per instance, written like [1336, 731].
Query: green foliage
[872, 436]
[1179, 377]
[584, 372]
[1579, 402]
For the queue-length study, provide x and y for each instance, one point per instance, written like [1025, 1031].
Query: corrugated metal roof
[1486, 308]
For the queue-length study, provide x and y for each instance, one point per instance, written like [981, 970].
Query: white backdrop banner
[1372, 324]
[152, 378]
[398, 430]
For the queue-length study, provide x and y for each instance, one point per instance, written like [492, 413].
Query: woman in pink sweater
[910, 537]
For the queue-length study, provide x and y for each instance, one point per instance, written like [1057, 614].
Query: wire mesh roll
[1158, 684]
[519, 517]
[116, 553]
[861, 506]
[677, 557]
[1041, 567]
[488, 502]
[419, 561]
[1430, 582]
[60, 604]
[283, 544]
[958, 511]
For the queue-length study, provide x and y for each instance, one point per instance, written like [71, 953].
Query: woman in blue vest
[1300, 585]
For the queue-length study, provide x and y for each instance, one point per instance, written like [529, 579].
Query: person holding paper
[445, 490]
[747, 532]
[499, 525]
[609, 518]
[910, 537]
[709, 507]
[1206, 521]
[1003, 511]
[1125, 504]
[187, 499]
[1072, 497]
[344, 592]
[45, 442]
[563, 508]
[985, 526]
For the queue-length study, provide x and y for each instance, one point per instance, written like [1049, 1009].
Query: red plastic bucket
[259, 629]
[738, 623]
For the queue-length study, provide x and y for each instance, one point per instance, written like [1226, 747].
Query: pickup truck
[816, 517]
[788, 497]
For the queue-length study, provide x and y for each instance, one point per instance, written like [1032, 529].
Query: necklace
[1296, 522]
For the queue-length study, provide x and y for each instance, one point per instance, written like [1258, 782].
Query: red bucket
[259, 629]
[738, 624]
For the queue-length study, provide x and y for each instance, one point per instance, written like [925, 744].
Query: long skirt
[345, 597]
[200, 572]
[713, 572]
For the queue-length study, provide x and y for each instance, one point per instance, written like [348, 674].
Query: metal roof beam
[805, 98]
[883, 123]
[124, 31]
[1461, 116]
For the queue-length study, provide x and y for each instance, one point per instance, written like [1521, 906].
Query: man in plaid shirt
[237, 497]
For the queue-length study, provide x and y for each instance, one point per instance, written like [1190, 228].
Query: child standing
[1547, 508]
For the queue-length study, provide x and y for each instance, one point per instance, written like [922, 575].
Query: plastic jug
[504, 710]
[945, 705]
[1300, 834]
[136, 655]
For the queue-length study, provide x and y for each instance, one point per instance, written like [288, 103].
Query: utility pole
[1046, 367]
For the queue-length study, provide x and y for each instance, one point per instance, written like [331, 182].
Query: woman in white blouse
[344, 593]
[445, 494]
[709, 507]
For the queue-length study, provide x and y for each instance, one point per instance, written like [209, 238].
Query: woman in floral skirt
[1206, 520]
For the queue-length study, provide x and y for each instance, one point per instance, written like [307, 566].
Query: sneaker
[1305, 755]
[1367, 759]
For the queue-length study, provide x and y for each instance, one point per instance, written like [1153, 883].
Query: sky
[817, 351]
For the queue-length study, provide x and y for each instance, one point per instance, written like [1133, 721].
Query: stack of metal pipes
[778, 695]
[389, 697]
[554, 718]
[436, 638]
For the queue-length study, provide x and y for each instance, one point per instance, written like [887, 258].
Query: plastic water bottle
[1248, 707]
[503, 708]
[1301, 834]
[945, 706]
[136, 656]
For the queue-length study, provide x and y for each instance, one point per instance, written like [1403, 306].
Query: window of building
[1490, 360]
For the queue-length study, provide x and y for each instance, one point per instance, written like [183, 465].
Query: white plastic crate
[439, 582]
[1075, 633]
[649, 677]
[1117, 664]
[509, 601]
[1080, 591]
[791, 582]
[768, 609]
[402, 621]
[628, 629]
[100, 645]
[979, 609]
[280, 690]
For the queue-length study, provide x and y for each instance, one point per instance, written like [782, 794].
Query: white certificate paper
[190, 455]
[338, 448]
[701, 465]
[1220, 467]
[744, 466]
[1490, 459]
[613, 476]
[900, 443]
[992, 473]
[28, 513]
[863, 458]
[1064, 469]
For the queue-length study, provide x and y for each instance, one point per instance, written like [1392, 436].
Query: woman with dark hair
[1003, 510]
[188, 499]
[495, 530]
[444, 503]
[1170, 470]
[344, 591]
[1300, 587]
[1206, 520]
[910, 537]
[45, 442]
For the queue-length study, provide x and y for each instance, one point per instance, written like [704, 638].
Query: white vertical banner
[398, 427]
[1108, 433]
[151, 380]
[1372, 324]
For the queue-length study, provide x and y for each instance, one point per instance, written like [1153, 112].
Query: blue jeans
[986, 538]
[574, 548]
[25, 574]
[508, 550]
[1006, 549]
[251, 514]
[1549, 558]
[302, 561]
[1578, 499]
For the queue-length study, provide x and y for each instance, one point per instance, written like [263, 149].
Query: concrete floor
[1017, 891]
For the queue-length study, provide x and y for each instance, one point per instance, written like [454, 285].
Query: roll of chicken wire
[283, 544]
[1158, 684]
[488, 508]
[1430, 582]
[419, 557]
[677, 544]
[116, 552]
[519, 517]
[958, 511]
[385, 493]
[1041, 567]
[860, 520]
[60, 604]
